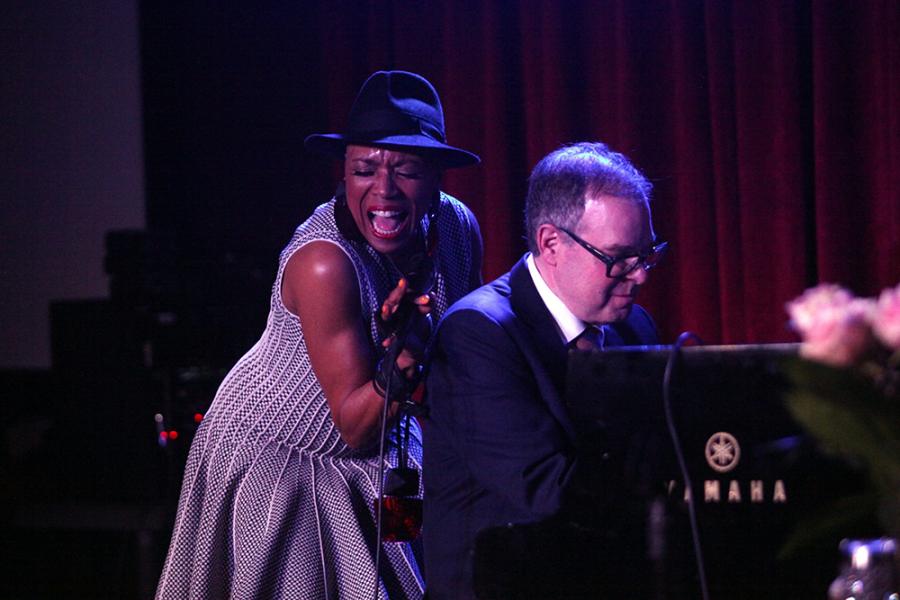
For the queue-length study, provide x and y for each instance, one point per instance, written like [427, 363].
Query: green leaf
[845, 517]
[851, 417]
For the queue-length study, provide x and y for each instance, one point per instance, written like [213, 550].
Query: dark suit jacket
[498, 443]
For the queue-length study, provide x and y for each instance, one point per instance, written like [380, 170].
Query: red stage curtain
[771, 130]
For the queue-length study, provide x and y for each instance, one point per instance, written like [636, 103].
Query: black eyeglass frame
[658, 248]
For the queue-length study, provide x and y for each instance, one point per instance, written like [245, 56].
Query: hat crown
[398, 103]
[396, 109]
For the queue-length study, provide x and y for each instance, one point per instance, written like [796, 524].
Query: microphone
[420, 280]
[404, 322]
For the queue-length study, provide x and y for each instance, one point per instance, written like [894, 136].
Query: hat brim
[449, 157]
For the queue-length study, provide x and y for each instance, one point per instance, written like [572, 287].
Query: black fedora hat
[396, 109]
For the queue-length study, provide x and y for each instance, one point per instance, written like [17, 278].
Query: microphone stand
[406, 314]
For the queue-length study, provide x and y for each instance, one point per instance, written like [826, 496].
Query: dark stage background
[771, 130]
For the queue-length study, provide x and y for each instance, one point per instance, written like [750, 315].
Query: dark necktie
[590, 339]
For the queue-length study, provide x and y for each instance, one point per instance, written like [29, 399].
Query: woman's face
[388, 193]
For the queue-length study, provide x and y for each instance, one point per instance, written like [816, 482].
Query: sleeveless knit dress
[273, 504]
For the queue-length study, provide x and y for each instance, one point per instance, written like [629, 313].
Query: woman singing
[277, 497]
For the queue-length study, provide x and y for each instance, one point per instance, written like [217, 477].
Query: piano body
[753, 476]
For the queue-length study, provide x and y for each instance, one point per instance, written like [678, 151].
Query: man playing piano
[498, 444]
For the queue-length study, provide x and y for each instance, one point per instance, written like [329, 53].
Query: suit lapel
[544, 339]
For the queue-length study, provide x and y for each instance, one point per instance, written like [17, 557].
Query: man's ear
[548, 241]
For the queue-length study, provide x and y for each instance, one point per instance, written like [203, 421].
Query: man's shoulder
[491, 301]
[637, 329]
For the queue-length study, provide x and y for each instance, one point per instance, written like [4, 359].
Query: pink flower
[885, 318]
[833, 325]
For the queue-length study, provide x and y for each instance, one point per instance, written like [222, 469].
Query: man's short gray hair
[561, 182]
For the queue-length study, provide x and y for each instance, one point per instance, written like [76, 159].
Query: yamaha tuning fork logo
[723, 454]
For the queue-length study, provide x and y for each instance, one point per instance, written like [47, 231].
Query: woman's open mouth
[388, 223]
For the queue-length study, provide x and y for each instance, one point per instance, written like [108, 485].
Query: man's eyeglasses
[620, 266]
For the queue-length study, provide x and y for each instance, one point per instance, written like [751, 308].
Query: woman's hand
[404, 321]
[406, 314]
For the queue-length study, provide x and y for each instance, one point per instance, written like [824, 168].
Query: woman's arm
[320, 286]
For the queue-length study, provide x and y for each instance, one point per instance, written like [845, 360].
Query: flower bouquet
[846, 394]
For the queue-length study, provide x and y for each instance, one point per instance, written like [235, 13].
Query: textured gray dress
[273, 503]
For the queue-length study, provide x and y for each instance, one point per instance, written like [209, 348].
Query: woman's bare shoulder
[318, 271]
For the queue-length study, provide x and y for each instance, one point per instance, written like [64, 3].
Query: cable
[673, 433]
[380, 484]
[391, 358]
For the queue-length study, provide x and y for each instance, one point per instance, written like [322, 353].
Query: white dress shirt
[568, 325]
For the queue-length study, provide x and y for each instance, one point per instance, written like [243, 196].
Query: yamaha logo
[722, 452]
